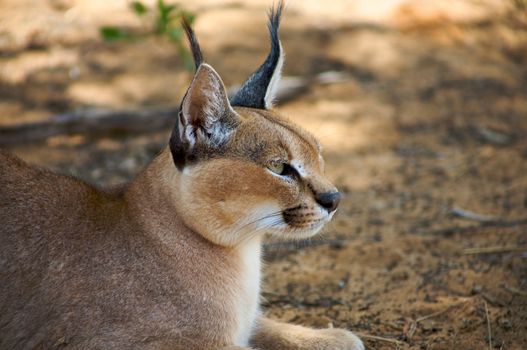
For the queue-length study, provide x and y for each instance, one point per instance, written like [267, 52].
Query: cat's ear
[260, 89]
[206, 119]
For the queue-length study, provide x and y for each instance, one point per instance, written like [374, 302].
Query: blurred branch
[102, 122]
[94, 122]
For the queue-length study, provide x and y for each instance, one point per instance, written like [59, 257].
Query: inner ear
[205, 102]
[206, 119]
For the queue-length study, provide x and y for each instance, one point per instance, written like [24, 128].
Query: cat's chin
[298, 233]
[293, 232]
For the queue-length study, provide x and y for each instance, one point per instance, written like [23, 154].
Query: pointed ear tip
[206, 68]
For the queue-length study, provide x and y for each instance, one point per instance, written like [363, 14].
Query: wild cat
[172, 259]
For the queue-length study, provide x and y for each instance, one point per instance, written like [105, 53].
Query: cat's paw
[339, 339]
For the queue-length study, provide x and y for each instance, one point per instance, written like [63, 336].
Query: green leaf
[168, 9]
[113, 34]
[163, 17]
[164, 9]
[160, 5]
[139, 8]
[160, 26]
[175, 34]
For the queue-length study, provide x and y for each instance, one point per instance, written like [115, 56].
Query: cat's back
[38, 206]
[51, 227]
[37, 198]
[46, 216]
[39, 210]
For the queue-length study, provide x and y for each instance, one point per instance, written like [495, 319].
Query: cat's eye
[282, 169]
[277, 168]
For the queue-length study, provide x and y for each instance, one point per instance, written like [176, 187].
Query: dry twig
[414, 323]
[513, 290]
[488, 325]
[492, 299]
[470, 215]
[383, 339]
[447, 231]
[426, 317]
[493, 250]
[295, 245]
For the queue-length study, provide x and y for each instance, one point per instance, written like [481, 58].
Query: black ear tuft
[194, 44]
[258, 91]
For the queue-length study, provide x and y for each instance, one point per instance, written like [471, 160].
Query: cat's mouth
[305, 218]
[296, 222]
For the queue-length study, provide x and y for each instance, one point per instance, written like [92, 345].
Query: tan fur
[172, 259]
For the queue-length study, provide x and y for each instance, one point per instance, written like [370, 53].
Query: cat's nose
[329, 200]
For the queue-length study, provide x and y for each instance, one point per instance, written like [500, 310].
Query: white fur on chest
[247, 306]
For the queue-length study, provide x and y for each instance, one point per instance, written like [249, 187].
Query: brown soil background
[433, 117]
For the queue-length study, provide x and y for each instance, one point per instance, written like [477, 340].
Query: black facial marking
[177, 147]
[294, 214]
[301, 206]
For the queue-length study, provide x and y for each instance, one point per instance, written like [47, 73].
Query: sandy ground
[433, 119]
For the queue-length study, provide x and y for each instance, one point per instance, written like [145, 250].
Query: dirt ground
[431, 123]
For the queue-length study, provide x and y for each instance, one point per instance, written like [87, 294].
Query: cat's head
[245, 170]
